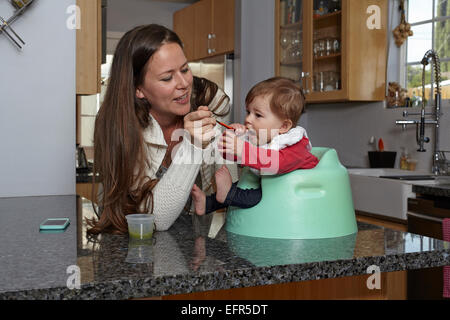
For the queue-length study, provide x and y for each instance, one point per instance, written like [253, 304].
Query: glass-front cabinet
[335, 48]
[326, 45]
[290, 38]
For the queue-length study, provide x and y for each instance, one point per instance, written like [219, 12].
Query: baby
[267, 144]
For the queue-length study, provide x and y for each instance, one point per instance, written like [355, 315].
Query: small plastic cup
[140, 251]
[140, 226]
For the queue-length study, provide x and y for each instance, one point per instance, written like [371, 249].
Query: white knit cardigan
[173, 190]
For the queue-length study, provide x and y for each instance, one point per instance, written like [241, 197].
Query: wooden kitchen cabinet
[85, 190]
[425, 217]
[338, 55]
[89, 48]
[206, 28]
[223, 26]
[393, 287]
[183, 24]
[203, 26]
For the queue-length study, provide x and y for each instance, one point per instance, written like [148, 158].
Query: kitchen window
[430, 22]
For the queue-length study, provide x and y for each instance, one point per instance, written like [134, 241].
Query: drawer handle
[424, 217]
[210, 37]
[209, 43]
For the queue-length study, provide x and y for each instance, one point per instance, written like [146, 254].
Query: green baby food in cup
[140, 226]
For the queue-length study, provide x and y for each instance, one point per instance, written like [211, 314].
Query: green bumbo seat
[302, 204]
[263, 252]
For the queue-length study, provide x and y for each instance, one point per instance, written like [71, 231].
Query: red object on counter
[380, 145]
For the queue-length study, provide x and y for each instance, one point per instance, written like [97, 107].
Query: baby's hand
[238, 128]
[231, 145]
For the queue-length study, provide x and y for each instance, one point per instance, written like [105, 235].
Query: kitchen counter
[181, 260]
[438, 190]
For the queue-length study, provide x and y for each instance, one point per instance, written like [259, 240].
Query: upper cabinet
[337, 49]
[183, 25]
[89, 47]
[206, 28]
[223, 26]
[203, 29]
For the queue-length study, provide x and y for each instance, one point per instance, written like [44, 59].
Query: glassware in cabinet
[326, 48]
[339, 61]
[289, 34]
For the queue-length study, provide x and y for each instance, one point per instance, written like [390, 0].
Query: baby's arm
[268, 161]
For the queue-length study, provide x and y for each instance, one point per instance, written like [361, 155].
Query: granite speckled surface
[438, 190]
[34, 265]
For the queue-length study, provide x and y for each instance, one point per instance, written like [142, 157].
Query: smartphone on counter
[54, 224]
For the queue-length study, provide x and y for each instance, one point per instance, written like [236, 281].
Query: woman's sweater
[173, 190]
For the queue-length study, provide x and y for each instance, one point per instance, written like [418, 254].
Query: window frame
[404, 49]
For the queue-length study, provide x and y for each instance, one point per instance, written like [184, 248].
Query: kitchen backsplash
[347, 127]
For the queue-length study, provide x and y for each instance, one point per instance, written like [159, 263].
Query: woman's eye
[185, 70]
[258, 115]
[167, 79]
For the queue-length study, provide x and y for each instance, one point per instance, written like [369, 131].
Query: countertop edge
[432, 190]
[222, 280]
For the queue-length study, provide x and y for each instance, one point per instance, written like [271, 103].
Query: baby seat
[263, 252]
[302, 204]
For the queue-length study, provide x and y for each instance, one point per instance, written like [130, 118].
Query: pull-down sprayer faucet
[438, 155]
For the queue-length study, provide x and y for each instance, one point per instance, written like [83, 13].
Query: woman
[151, 96]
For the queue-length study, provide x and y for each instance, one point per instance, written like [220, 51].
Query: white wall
[254, 48]
[347, 127]
[123, 15]
[37, 103]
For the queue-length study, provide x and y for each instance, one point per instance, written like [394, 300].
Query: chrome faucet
[438, 155]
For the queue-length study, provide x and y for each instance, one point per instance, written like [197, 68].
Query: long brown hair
[119, 155]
